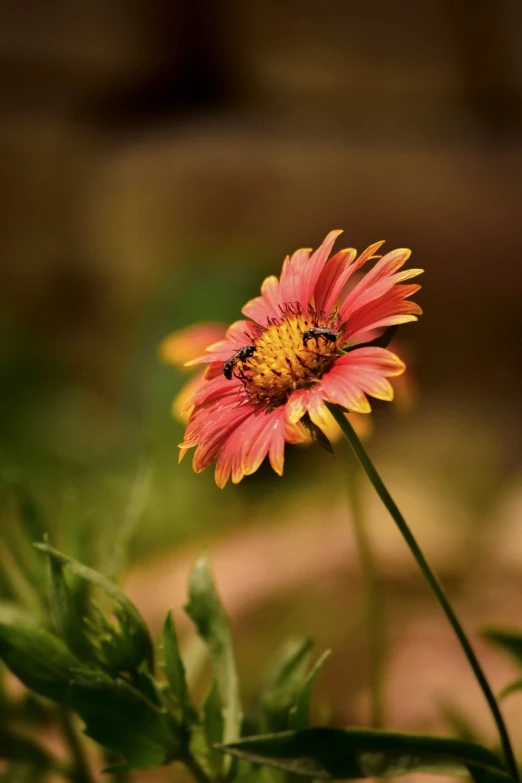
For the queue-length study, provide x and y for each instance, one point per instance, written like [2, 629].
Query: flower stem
[432, 581]
[373, 598]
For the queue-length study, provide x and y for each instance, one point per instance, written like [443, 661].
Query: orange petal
[187, 344]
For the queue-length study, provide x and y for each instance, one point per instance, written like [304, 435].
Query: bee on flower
[300, 347]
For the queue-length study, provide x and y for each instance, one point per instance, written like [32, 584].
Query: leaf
[299, 713]
[513, 687]
[67, 612]
[120, 718]
[149, 687]
[316, 434]
[123, 646]
[30, 526]
[140, 492]
[39, 659]
[483, 774]
[284, 682]
[27, 592]
[460, 724]
[206, 611]
[330, 754]
[13, 614]
[175, 670]
[19, 748]
[213, 729]
[509, 640]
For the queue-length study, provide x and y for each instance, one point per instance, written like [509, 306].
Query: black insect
[240, 356]
[330, 335]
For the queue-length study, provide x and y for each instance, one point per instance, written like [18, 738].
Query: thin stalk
[432, 581]
[374, 615]
[82, 772]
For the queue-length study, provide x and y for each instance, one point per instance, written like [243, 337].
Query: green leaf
[120, 718]
[300, 712]
[21, 587]
[67, 612]
[460, 724]
[175, 670]
[13, 614]
[30, 525]
[213, 730]
[316, 434]
[23, 554]
[140, 493]
[513, 687]
[206, 611]
[39, 659]
[330, 754]
[483, 774]
[284, 682]
[19, 748]
[121, 646]
[509, 640]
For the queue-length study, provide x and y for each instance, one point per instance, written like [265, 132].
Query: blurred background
[158, 158]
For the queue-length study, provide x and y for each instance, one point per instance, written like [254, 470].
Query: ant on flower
[330, 335]
[240, 356]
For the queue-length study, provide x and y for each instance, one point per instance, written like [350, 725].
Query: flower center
[291, 353]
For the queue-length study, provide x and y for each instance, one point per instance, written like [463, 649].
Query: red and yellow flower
[301, 340]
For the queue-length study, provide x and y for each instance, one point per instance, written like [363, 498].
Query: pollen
[283, 362]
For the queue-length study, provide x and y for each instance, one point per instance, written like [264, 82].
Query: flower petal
[237, 336]
[216, 390]
[271, 426]
[339, 387]
[358, 373]
[318, 411]
[299, 277]
[182, 403]
[309, 401]
[390, 308]
[314, 268]
[186, 344]
[378, 281]
[332, 279]
[276, 453]
[216, 433]
[292, 276]
[247, 446]
[267, 306]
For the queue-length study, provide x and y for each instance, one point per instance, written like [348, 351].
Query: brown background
[157, 158]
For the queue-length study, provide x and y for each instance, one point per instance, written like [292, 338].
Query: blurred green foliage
[100, 664]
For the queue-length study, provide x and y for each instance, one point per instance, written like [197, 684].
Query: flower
[182, 346]
[296, 352]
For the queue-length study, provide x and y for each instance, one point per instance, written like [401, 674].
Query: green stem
[373, 598]
[196, 770]
[433, 582]
[82, 772]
